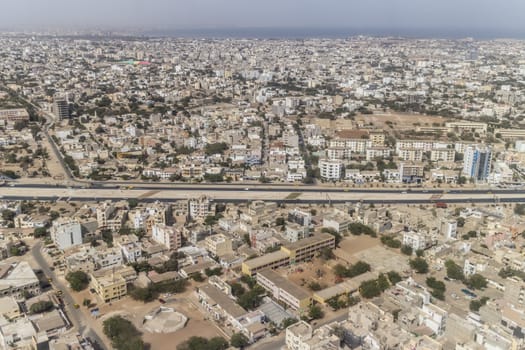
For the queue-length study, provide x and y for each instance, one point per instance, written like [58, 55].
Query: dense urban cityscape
[302, 194]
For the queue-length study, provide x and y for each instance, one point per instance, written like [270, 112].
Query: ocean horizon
[337, 33]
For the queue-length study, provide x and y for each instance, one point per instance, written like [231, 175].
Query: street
[75, 315]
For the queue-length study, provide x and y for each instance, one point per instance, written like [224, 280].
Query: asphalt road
[238, 195]
[75, 315]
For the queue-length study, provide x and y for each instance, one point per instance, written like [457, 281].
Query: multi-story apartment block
[477, 162]
[104, 212]
[169, 236]
[331, 170]
[411, 154]
[66, 233]
[218, 245]
[411, 172]
[199, 207]
[416, 240]
[109, 285]
[442, 154]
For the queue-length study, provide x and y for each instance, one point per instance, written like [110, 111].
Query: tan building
[9, 308]
[305, 249]
[267, 261]
[218, 245]
[292, 253]
[283, 290]
[111, 285]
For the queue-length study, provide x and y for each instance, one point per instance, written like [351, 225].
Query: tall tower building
[477, 162]
[61, 108]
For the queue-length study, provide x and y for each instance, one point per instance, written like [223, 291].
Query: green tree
[39, 232]
[454, 271]
[315, 312]
[107, 237]
[239, 340]
[519, 209]
[145, 294]
[251, 299]
[200, 343]
[406, 249]
[237, 289]
[78, 280]
[315, 286]
[8, 215]
[40, 306]
[419, 265]
[288, 322]
[122, 334]
[476, 281]
[369, 289]
[132, 203]
[394, 277]
[435, 284]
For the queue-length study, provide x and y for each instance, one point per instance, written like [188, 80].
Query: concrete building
[416, 240]
[18, 281]
[449, 229]
[331, 170]
[61, 108]
[307, 248]
[218, 245]
[66, 233]
[477, 162]
[272, 260]
[411, 172]
[9, 308]
[295, 232]
[283, 290]
[301, 250]
[111, 285]
[169, 236]
[200, 207]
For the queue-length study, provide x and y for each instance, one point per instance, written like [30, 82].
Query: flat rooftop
[285, 284]
[266, 259]
[317, 238]
[221, 299]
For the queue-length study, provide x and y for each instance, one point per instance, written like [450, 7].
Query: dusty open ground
[400, 119]
[356, 244]
[304, 273]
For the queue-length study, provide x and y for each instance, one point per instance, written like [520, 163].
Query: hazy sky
[493, 14]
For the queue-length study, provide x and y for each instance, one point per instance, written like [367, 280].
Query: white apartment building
[416, 240]
[411, 154]
[66, 233]
[449, 229]
[199, 207]
[169, 236]
[330, 169]
[442, 154]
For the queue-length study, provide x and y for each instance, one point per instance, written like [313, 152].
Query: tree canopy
[78, 280]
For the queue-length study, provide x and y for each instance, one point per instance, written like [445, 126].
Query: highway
[245, 193]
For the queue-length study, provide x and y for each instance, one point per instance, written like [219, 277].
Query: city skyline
[484, 18]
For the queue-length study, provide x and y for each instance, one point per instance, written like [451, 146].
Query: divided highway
[244, 193]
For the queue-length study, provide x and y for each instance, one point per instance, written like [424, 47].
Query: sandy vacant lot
[400, 119]
[355, 244]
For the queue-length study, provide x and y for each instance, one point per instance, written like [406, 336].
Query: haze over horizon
[467, 17]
